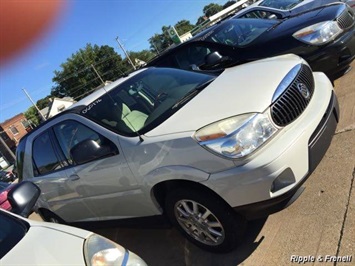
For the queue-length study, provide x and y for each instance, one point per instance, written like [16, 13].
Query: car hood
[48, 248]
[238, 90]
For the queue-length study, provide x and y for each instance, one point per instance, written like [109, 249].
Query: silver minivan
[207, 150]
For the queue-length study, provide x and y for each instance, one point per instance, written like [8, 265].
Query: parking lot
[317, 227]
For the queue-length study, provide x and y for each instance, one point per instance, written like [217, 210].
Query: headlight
[100, 251]
[237, 136]
[319, 33]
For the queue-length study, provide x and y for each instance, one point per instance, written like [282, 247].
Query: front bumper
[317, 146]
[268, 181]
[336, 57]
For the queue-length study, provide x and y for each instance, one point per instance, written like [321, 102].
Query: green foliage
[212, 9]
[43, 103]
[160, 42]
[229, 3]
[201, 20]
[144, 55]
[78, 78]
[183, 26]
[32, 115]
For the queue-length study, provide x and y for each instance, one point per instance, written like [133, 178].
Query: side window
[192, 55]
[167, 61]
[70, 133]
[44, 157]
[261, 14]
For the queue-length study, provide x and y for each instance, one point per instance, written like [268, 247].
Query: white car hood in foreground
[238, 90]
[43, 245]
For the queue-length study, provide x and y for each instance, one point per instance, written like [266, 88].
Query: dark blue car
[323, 36]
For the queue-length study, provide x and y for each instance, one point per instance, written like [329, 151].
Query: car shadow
[165, 246]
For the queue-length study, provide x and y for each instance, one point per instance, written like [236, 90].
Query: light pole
[28, 96]
[125, 52]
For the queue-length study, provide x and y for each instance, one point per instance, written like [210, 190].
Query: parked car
[351, 3]
[4, 190]
[6, 176]
[28, 242]
[324, 37]
[191, 146]
[292, 6]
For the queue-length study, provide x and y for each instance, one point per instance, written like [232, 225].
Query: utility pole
[93, 67]
[97, 73]
[129, 59]
[28, 96]
[7, 147]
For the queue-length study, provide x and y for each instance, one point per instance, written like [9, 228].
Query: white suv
[188, 145]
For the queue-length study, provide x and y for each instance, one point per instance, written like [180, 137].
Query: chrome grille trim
[292, 102]
[346, 19]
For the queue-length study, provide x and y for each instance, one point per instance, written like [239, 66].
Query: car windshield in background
[280, 4]
[146, 100]
[240, 32]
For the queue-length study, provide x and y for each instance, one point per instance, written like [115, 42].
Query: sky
[81, 22]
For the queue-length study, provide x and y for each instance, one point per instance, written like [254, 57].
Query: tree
[78, 77]
[144, 55]
[201, 20]
[162, 41]
[32, 115]
[183, 26]
[43, 103]
[229, 3]
[212, 9]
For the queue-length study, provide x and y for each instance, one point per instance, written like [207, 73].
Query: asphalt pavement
[317, 229]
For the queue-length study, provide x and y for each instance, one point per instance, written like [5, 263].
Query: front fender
[174, 172]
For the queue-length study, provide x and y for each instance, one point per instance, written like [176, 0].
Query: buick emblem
[302, 88]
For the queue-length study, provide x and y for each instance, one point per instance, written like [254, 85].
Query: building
[56, 106]
[11, 131]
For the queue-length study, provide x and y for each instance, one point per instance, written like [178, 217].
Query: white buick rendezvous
[206, 150]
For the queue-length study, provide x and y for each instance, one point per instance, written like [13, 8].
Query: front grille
[294, 100]
[346, 19]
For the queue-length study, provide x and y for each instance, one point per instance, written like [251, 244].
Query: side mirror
[215, 59]
[272, 16]
[23, 197]
[88, 150]
[195, 67]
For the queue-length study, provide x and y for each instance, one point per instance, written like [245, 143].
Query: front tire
[205, 219]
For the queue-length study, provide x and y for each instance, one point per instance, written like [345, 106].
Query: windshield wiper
[192, 93]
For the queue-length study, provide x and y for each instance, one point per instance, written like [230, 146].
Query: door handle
[74, 177]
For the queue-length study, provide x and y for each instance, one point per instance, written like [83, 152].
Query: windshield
[240, 32]
[11, 232]
[146, 100]
[283, 5]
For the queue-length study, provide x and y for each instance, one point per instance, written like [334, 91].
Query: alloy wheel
[199, 222]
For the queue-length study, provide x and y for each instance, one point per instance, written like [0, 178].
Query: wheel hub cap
[199, 222]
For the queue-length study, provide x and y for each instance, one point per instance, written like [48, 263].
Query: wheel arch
[161, 190]
[45, 214]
